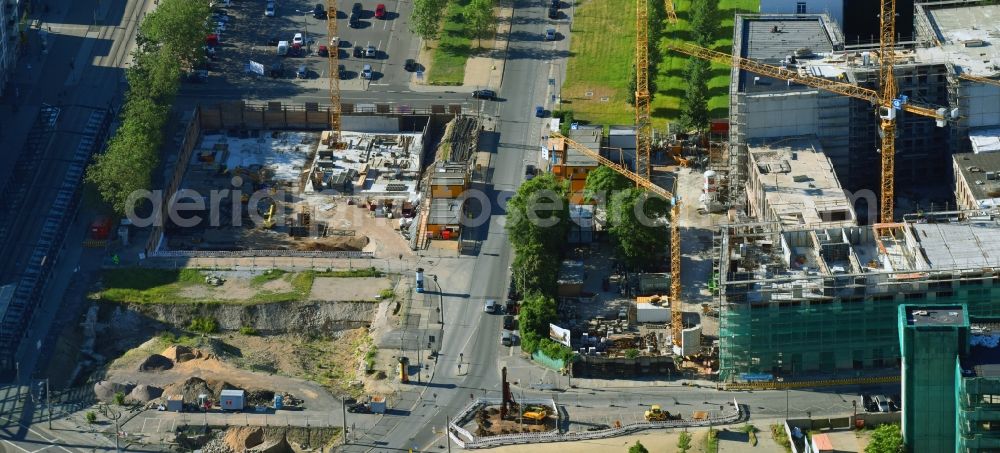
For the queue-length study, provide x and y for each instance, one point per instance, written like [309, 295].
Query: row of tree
[694, 105]
[537, 223]
[477, 15]
[170, 39]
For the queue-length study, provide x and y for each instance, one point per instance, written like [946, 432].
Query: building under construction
[809, 302]
[951, 64]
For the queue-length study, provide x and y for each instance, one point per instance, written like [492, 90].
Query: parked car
[273, 41]
[277, 70]
[322, 51]
[302, 72]
[508, 322]
[358, 52]
[511, 308]
[555, 4]
[354, 21]
[506, 338]
[341, 72]
[491, 306]
[196, 76]
[319, 11]
[553, 13]
[550, 34]
[410, 65]
[297, 39]
[484, 94]
[370, 52]
[529, 172]
[380, 11]
[366, 72]
[357, 8]
[539, 111]
[269, 10]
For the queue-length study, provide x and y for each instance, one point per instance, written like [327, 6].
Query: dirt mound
[194, 386]
[242, 438]
[145, 393]
[335, 244]
[257, 397]
[156, 362]
[181, 354]
[105, 390]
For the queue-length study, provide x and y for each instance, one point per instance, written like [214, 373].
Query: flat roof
[445, 211]
[799, 183]
[985, 140]
[772, 38]
[981, 172]
[919, 316]
[588, 136]
[969, 35]
[960, 244]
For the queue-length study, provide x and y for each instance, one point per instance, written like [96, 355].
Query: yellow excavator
[656, 414]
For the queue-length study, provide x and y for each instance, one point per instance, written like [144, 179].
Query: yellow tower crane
[676, 311]
[886, 99]
[885, 106]
[334, 60]
[643, 124]
[980, 79]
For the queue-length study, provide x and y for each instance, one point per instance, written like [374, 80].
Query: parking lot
[248, 34]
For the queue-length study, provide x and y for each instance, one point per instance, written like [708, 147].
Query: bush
[387, 294]
[203, 325]
[120, 398]
[91, 417]
[248, 330]
[631, 353]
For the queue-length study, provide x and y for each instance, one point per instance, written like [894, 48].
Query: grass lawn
[600, 62]
[452, 48]
[161, 286]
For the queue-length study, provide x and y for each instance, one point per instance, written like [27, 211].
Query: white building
[835, 8]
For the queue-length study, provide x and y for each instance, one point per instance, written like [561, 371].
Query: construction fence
[463, 438]
[309, 116]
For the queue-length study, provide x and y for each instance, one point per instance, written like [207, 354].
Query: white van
[282, 48]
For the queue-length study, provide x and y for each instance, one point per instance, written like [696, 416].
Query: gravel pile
[105, 390]
[156, 362]
[145, 393]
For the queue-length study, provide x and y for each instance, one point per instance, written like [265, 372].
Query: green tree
[91, 417]
[638, 448]
[636, 224]
[684, 442]
[538, 214]
[694, 107]
[535, 269]
[602, 182]
[181, 26]
[534, 316]
[426, 17]
[120, 398]
[480, 18]
[885, 439]
[704, 22]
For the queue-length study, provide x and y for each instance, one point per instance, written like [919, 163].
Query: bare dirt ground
[348, 289]
[277, 363]
[234, 288]
[655, 441]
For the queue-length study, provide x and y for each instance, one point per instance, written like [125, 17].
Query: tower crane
[676, 311]
[643, 124]
[979, 79]
[886, 99]
[334, 60]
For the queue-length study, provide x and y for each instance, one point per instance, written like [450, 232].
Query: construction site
[290, 189]
[830, 145]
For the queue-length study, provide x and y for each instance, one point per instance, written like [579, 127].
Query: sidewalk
[480, 71]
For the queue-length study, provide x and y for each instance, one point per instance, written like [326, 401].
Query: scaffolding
[823, 303]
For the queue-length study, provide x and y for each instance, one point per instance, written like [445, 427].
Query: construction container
[279, 402]
[652, 309]
[231, 400]
[377, 404]
[175, 403]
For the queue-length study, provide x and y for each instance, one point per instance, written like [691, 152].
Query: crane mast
[888, 91]
[643, 127]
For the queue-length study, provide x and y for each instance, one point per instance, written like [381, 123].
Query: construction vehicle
[656, 414]
[676, 310]
[886, 100]
[535, 416]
